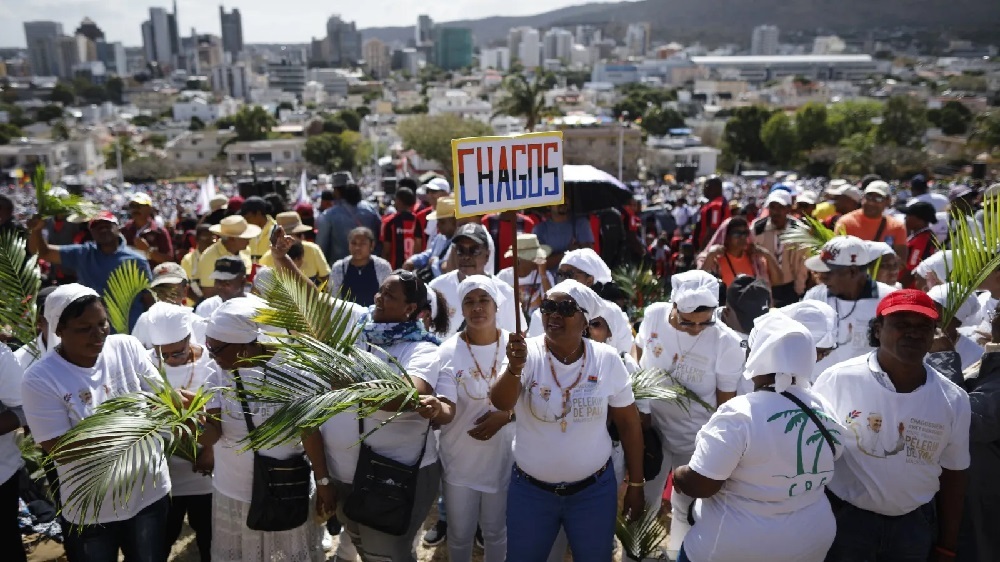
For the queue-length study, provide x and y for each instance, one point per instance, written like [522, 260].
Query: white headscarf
[818, 317]
[932, 269]
[693, 289]
[967, 311]
[233, 321]
[263, 280]
[57, 302]
[584, 296]
[781, 346]
[587, 261]
[168, 323]
[473, 282]
[621, 330]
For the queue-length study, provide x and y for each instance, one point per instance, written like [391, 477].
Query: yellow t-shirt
[190, 262]
[314, 264]
[262, 243]
[206, 265]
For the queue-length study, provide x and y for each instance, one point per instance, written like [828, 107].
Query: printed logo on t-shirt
[810, 443]
[870, 438]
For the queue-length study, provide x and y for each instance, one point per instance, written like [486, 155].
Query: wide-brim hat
[291, 222]
[529, 249]
[445, 207]
[235, 226]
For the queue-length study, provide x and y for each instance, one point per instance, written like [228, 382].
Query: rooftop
[782, 59]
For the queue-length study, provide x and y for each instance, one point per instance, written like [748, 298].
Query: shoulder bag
[384, 489]
[280, 497]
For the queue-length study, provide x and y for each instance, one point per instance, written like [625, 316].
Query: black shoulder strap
[815, 419]
[759, 226]
[423, 449]
[881, 229]
[243, 400]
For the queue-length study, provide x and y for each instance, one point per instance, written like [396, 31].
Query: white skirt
[232, 541]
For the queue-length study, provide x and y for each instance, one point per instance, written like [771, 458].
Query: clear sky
[264, 21]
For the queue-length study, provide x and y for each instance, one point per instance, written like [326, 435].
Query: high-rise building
[377, 58]
[497, 58]
[558, 44]
[205, 54]
[637, 39]
[160, 37]
[232, 32]
[452, 47]
[287, 77]
[424, 32]
[529, 48]
[514, 41]
[43, 52]
[90, 30]
[764, 40]
[68, 51]
[587, 35]
[85, 48]
[344, 42]
[113, 56]
[231, 80]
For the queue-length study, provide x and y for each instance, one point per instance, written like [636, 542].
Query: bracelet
[636, 484]
[945, 551]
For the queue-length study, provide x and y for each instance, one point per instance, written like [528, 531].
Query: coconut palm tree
[817, 439]
[796, 418]
[524, 98]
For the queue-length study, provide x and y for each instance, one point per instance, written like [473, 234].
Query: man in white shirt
[898, 491]
[920, 192]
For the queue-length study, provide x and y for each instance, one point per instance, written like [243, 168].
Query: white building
[26, 153]
[197, 148]
[764, 40]
[232, 80]
[204, 107]
[757, 69]
[828, 45]
[314, 93]
[335, 81]
[287, 77]
[581, 57]
[508, 125]
[558, 44]
[498, 59]
[458, 102]
[266, 153]
[667, 153]
[637, 39]
[529, 48]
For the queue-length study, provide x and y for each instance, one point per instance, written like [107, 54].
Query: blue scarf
[385, 334]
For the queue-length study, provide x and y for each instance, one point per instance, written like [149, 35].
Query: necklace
[565, 360]
[479, 370]
[565, 391]
[680, 359]
[850, 325]
[187, 385]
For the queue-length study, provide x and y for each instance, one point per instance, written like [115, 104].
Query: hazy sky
[263, 20]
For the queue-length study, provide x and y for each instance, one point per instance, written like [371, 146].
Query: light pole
[621, 144]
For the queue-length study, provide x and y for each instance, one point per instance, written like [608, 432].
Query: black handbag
[384, 490]
[280, 497]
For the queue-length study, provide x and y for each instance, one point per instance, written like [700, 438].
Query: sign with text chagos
[495, 174]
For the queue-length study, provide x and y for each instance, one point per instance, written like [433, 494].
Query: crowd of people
[825, 412]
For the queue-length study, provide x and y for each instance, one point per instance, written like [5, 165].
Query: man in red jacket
[712, 213]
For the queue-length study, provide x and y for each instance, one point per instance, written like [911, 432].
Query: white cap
[843, 251]
[846, 189]
[878, 187]
[779, 196]
[439, 184]
[808, 197]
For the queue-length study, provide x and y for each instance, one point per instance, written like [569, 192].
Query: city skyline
[295, 22]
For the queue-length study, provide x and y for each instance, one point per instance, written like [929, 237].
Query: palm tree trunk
[819, 449]
[798, 449]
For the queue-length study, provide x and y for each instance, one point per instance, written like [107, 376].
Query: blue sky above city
[264, 21]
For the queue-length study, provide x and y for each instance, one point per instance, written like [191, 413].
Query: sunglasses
[464, 252]
[566, 309]
[569, 274]
[874, 198]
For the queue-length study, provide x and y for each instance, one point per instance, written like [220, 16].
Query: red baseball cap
[107, 216]
[907, 300]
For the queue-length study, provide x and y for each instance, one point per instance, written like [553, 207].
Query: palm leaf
[641, 284]
[658, 384]
[302, 308]
[50, 205]
[125, 283]
[974, 256]
[808, 234]
[640, 538]
[109, 453]
[20, 281]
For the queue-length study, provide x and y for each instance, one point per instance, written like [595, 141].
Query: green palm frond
[641, 538]
[109, 453]
[20, 281]
[658, 384]
[126, 283]
[808, 234]
[974, 256]
[303, 308]
[642, 285]
[49, 205]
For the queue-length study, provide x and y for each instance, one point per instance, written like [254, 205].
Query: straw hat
[291, 222]
[445, 207]
[529, 249]
[235, 226]
[218, 202]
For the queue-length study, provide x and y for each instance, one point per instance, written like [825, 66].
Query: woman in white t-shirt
[233, 340]
[84, 368]
[476, 438]
[562, 386]
[683, 338]
[393, 331]
[761, 462]
[187, 366]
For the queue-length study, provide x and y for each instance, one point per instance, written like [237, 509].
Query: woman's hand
[634, 503]
[430, 407]
[326, 501]
[280, 243]
[517, 353]
[488, 425]
[204, 463]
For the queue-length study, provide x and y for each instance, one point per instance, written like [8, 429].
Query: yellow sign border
[457, 183]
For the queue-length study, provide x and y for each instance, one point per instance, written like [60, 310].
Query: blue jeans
[534, 517]
[141, 538]
[863, 536]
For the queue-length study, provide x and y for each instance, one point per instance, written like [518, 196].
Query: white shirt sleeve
[44, 409]
[956, 453]
[729, 362]
[621, 383]
[720, 444]
[535, 328]
[652, 318]
[11, 375]
[423, 363]
[216, 381]
[447, 386]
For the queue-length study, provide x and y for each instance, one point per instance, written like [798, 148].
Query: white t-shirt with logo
[183, 479]
[233, 474]
[896, 443]
[57, 395]
[713, 360]
[853, 318]
[11, 377]
[448, 283]
[483, 466]
[775, 464]
[541, 448]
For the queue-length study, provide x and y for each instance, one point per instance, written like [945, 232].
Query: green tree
[157, 140]
[253, 123]
[350, 119]
[741, 136]
[128, 152]
[60, 131]
[904, 121]
[430, 135]
[332, 151]
[115, 88]
[779, 136]
[658, 122]
[196, 124]
[522, 98]
[63, 93]
[986, 130]
[332, 123]
[49, 113]
[811, 126]
[954, 118]
[849, 117]
[363, 111]
[9, 131]
[855, 155]
[143, 120]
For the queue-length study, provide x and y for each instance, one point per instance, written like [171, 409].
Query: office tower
[232, 32]
[42, 48]
[764, 40]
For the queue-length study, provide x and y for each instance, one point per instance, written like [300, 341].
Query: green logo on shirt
[798, 417]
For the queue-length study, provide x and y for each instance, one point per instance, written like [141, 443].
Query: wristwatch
[324, 481]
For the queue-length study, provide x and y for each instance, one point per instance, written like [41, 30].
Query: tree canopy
[331, 151]
[430, 135]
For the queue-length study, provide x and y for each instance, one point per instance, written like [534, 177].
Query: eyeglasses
[566, 309]
[182, 354]
[739, 233]
[215, 351]
[690, 324]
[464, 252]
[874, 198]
